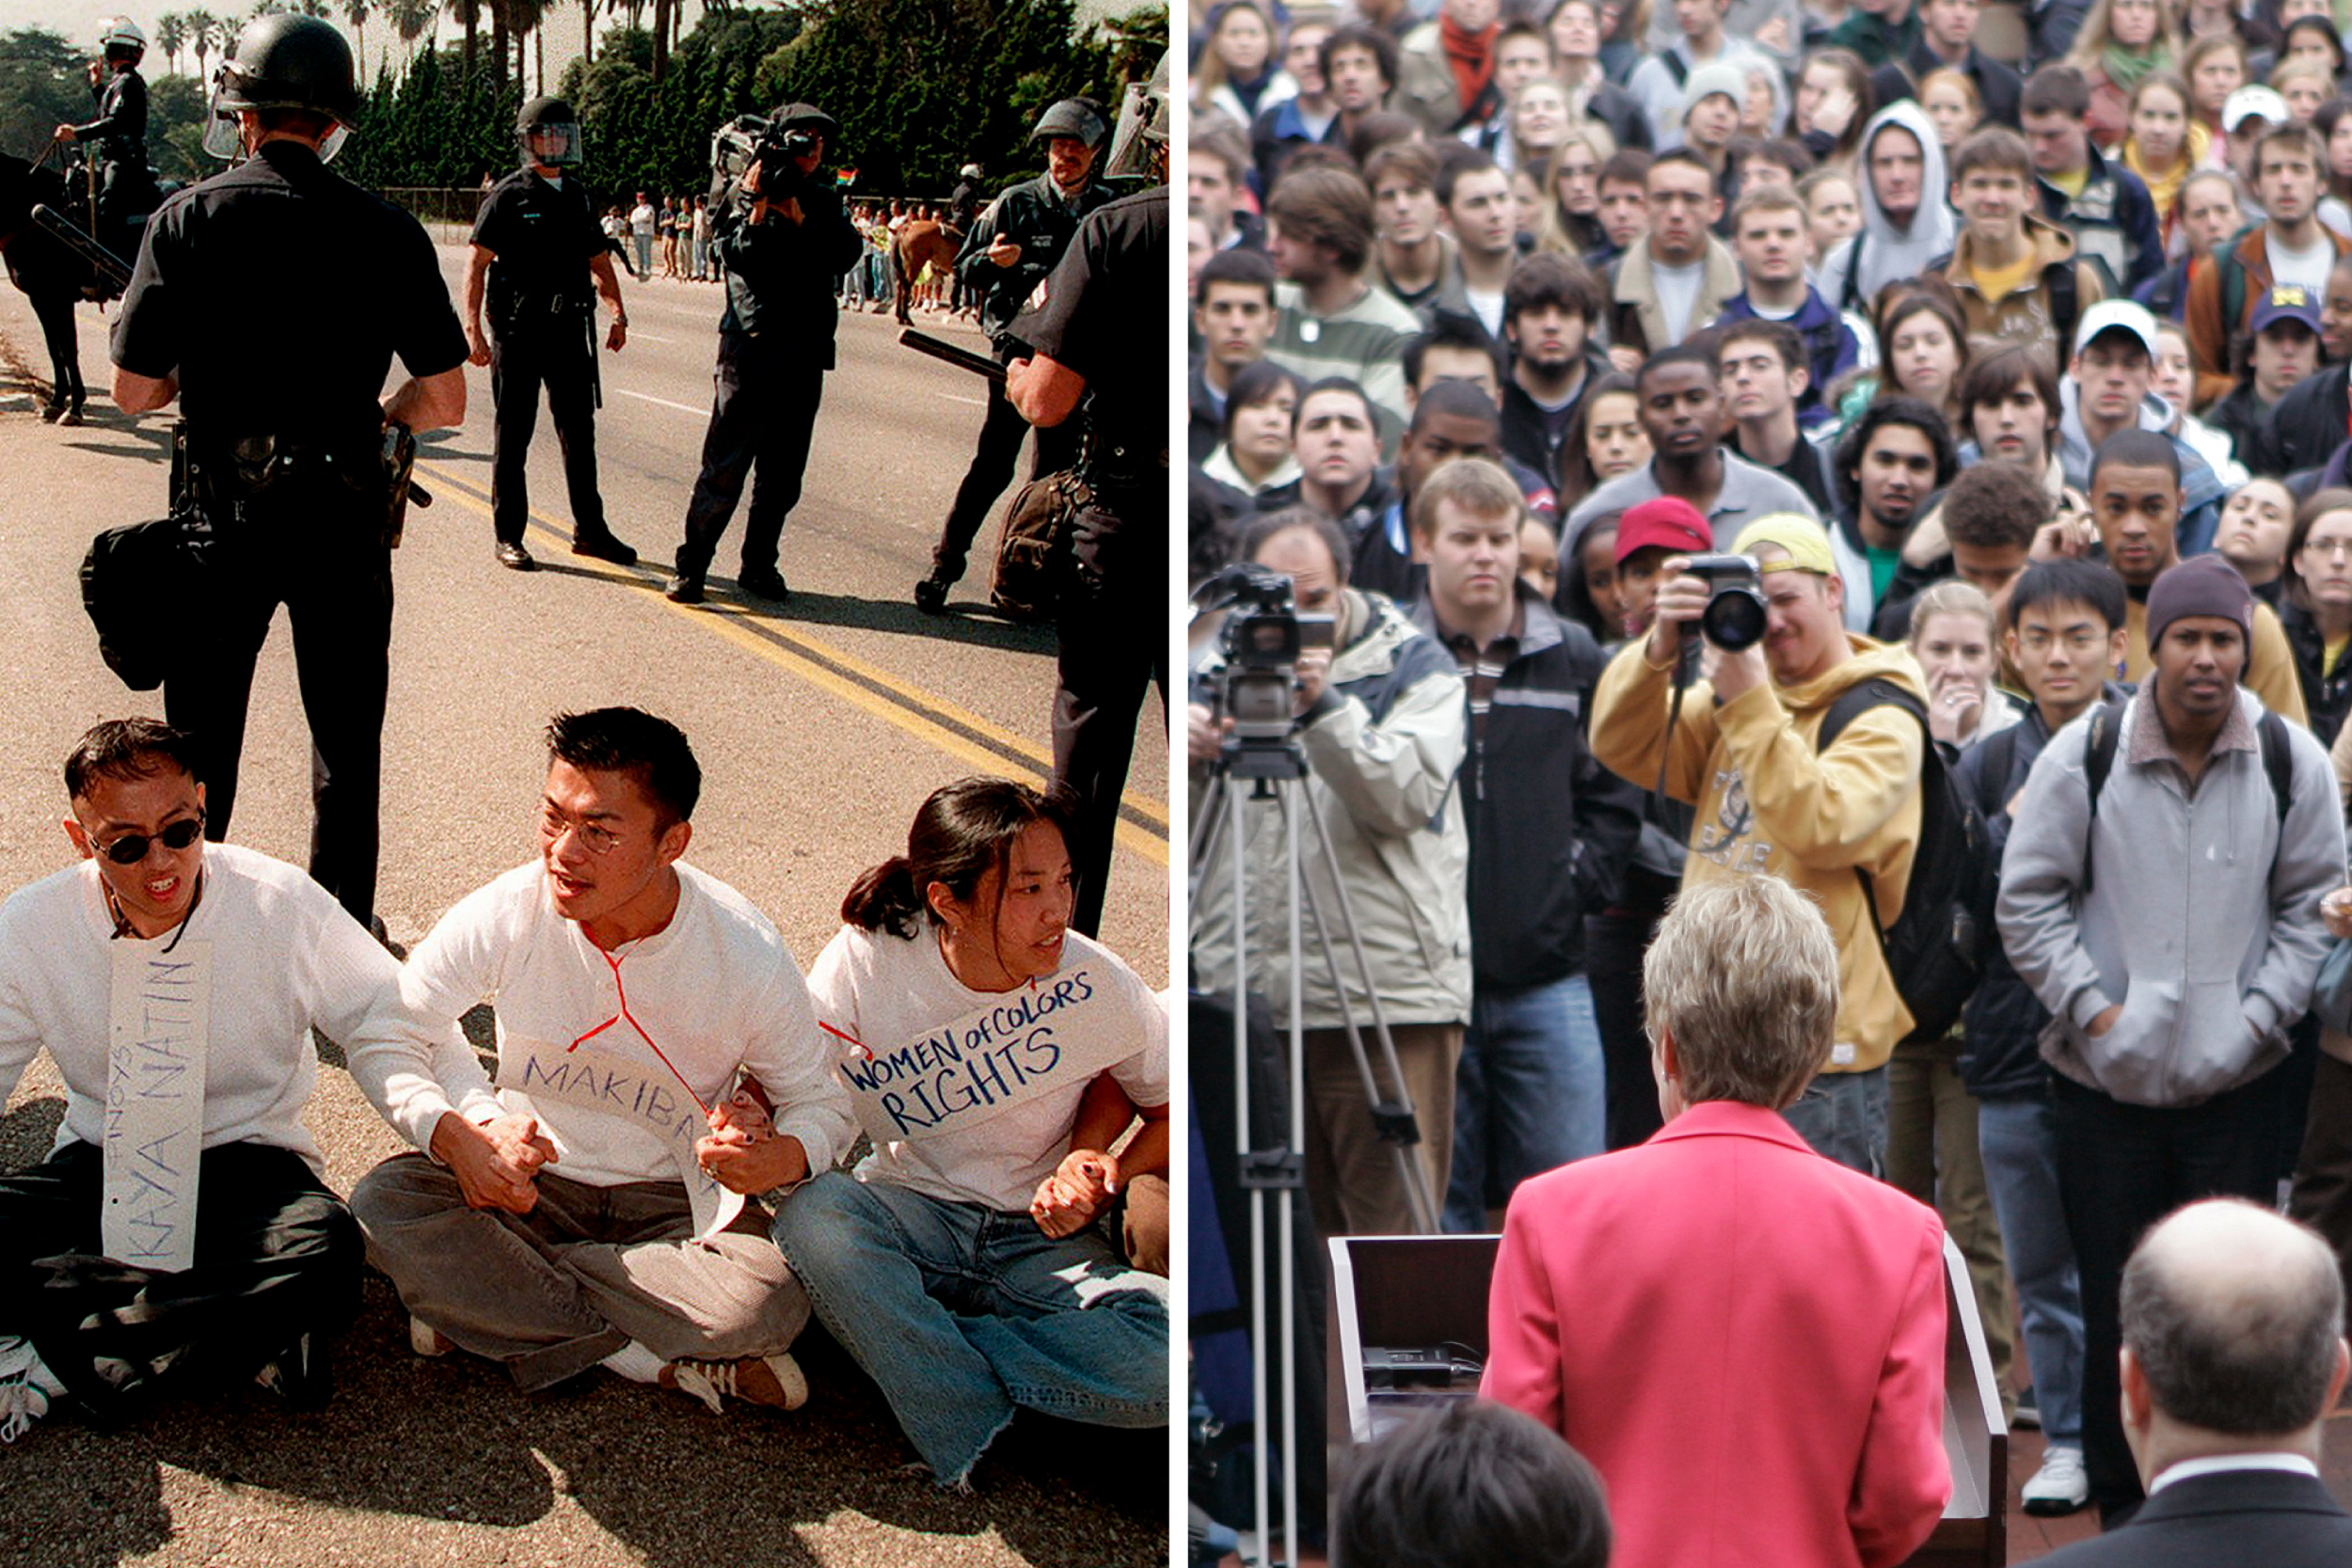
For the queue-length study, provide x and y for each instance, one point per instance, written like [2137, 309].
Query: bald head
[2233, 1315]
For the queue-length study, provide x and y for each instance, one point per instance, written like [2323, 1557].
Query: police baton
[963, 358]
[62, 229]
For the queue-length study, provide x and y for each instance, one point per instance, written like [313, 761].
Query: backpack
[1032, 544]
[2107, 726]
[1931, 949]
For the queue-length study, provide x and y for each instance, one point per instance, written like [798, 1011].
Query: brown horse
[917, 242]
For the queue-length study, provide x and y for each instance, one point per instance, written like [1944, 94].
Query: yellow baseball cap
[1805, 541]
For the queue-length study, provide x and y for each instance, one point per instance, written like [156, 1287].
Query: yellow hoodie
[1769, 803]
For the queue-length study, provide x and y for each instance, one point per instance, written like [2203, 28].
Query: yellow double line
[928, 717]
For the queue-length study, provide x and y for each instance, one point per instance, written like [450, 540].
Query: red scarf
[1472, 56]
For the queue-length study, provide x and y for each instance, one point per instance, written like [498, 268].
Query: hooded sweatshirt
[1888, 254]
[1770, 804]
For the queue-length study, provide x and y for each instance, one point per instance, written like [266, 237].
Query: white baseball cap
[2110, 315]
[2248, 102]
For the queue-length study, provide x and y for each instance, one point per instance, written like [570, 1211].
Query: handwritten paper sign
[646, 1094]
[1061, 1030]
[159, 1021]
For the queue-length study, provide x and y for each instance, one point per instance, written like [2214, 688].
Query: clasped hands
[1081, 1187]
[496, 1162]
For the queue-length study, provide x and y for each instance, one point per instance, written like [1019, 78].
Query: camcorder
[1262, 637]
[749, 139]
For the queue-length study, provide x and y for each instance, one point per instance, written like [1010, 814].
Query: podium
[1413, 1292]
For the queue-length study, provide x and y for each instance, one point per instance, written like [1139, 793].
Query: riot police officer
[1005, 257]
[119, 132]
[537, 247]
[1095, 337]
[784, 239]
[278, 355]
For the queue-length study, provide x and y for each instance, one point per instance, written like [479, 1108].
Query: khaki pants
[1352, 1184]
[1932, 1154]
[554, 1292]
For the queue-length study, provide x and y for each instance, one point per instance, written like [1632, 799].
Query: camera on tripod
[1261, 639]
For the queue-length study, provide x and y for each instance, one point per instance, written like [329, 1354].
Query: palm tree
[356, 13]
[662, 9]
[204, 30]
[171, 37]
[412, 20]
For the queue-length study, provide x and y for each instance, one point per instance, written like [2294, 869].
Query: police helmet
[1143, 120]
[119, 34]
[282, 61]
[1079, 117]
[548, 132]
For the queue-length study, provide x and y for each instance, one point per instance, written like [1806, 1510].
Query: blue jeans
[2019, 1140]
[1529, 1093]
[961, 1314]
[1843, 1116]
[645, 255]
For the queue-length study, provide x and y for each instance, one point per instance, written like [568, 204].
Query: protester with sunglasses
[586, 1209]
[182, 1231]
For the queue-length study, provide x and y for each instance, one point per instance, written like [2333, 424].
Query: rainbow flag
[845, 178]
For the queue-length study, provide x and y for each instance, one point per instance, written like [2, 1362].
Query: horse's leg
[55, 315]
[902, 279]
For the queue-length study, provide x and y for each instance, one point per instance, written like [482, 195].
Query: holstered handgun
[400, 462]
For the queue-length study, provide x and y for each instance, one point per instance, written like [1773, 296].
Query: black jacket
[1526, 433]
[2271, 1517]
[781, 276]
[2307, 427]
[1206, 426]
[2003, 1019]
[1034, 217]
[2327, 697]
[1551, 829]
[1998, 88]
[120, 128]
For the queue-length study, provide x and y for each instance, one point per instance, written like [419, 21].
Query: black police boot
[763, 582]
[931, 595]
[601, 545]
[513, 557]
[684, 588]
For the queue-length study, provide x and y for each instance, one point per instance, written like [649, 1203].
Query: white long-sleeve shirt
[284, 956]
[714, 991]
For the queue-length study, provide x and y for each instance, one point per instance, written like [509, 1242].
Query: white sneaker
[2061, 1486]
[708, 1380]
[26, 1387]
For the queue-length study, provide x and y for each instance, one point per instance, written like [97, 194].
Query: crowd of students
[2014, 348]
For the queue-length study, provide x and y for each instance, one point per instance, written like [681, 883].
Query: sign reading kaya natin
[645, 1094]
[159, 1021]
[1056, 1032]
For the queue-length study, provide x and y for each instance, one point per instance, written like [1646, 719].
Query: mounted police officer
[271, 300]
[1005, 257]
[784, 239]
[1093, 330]
[537, 249]
[119, 133]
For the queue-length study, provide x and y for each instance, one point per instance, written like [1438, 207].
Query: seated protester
[1550, 833]
[1336, 444]
[1612, 1270]
[2064, 634]
[2284, 351]
[2104, 205]
[1475, 194]
[1660, 80]
[1982, 533]
[1606, 439]
[548, 1222]
[1681, 410]
[2289, 245]
[1456, 348]
[2013, 272]
[1764, 378]
[1414, 257]
[1767, 235]
[1673, 282]
[2204, 216]
[1255, 454]
[960, 1265]
[2106, 391]
[1473, 1481]
[2256, 523]
[2093, 904]
[1889, 462]
[1905, 224]
[2317, 608]
[1327, 320]
[1948, 41]
[2136, 501]
[1550, 308]
[115, 1288]
[1743, 749]
[1624, 205]
[1234, 313]
[2173, 377]
[1452, 420]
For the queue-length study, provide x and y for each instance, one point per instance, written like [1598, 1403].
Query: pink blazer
[1744, 1337]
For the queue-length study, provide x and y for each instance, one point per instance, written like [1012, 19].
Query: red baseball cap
[1669, 522]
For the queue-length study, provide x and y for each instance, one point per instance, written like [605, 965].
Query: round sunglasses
[131, 848]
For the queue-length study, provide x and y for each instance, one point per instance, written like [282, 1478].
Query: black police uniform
[281, 361]
[1034, 215]
[541, 302]
[775, 345]
[1099, 317]
[963, 211]
[119, 132]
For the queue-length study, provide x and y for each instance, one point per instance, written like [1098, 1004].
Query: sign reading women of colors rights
[1062, 1031]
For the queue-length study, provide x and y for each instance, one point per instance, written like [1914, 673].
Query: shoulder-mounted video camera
[749, 139]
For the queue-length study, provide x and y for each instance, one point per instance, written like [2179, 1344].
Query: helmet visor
[1139, 133]
[555, 143]
[223, 136]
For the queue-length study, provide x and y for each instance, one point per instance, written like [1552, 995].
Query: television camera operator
[784, 239]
